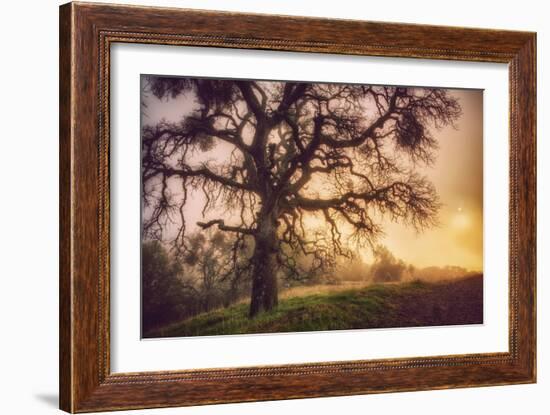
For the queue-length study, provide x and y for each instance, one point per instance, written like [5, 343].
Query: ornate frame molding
[86, 33]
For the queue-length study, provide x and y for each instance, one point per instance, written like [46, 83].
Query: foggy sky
[457, 175]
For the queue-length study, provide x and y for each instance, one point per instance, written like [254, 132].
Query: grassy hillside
[376, 306]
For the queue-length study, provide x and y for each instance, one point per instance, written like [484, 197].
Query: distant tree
[387, 268]
[447, 272]
[210, 268]
[340, 152]
[353, 270]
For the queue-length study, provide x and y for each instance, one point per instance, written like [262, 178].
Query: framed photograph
[261, 207]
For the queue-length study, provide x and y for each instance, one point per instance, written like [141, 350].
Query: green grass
[375, 306]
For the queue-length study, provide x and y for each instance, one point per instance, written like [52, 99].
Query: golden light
[461, 220]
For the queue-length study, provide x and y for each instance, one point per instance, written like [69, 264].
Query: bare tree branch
[223, 227]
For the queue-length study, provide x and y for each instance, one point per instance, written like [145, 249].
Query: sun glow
[461, 220]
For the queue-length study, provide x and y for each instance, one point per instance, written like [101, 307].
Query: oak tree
[343, 153]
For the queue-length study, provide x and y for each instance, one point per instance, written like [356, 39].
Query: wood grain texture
[86, 33]
[65, 138]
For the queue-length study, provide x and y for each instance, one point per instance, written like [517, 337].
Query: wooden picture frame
[86, 33]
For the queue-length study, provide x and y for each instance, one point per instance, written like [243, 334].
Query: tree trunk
[264, 278]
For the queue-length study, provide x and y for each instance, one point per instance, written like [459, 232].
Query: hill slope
[377, 306]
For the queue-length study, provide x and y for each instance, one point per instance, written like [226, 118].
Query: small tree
[210, 267]
[387, 268]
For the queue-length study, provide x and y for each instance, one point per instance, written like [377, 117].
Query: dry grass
[304, 290]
